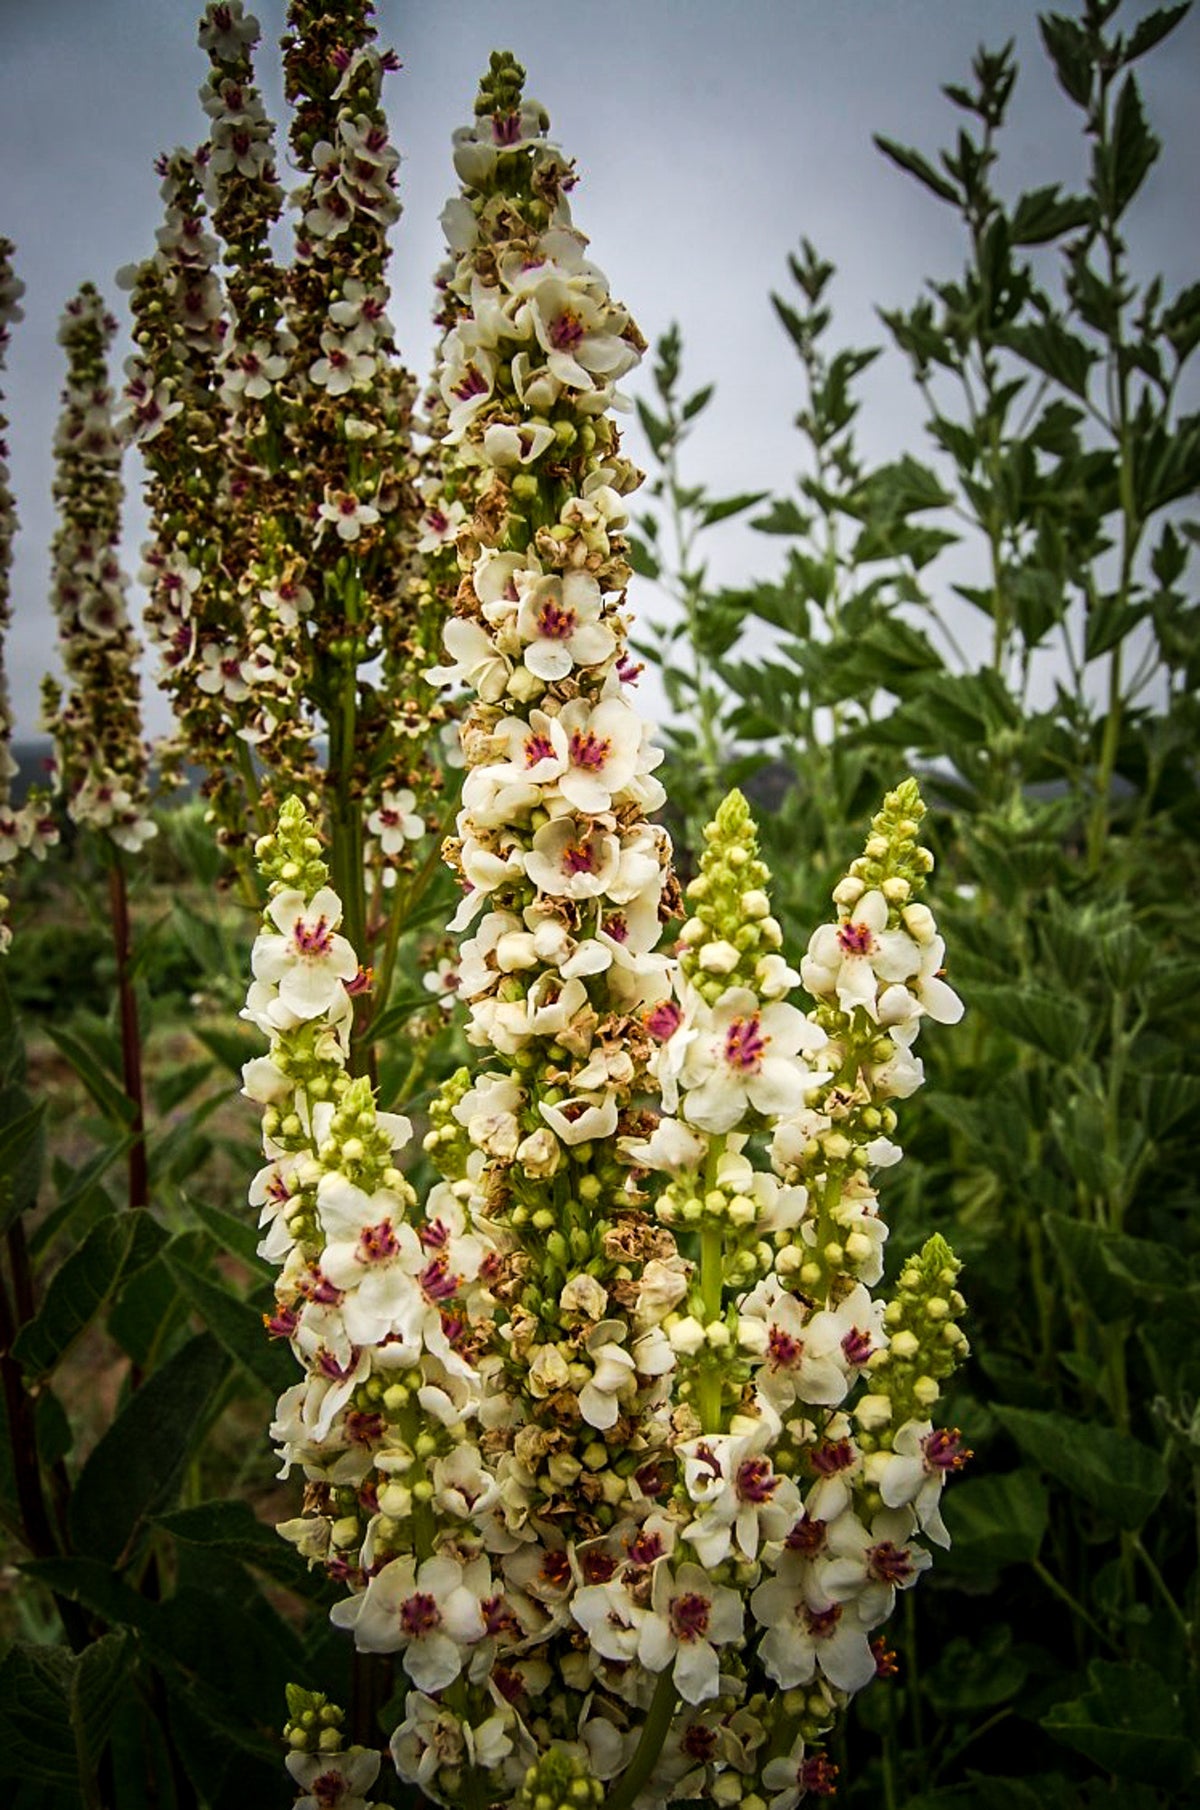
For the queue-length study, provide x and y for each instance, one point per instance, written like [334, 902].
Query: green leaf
[393, 1016]
[134, 1469]
[783, 517]
[1115, 1474]
[57, 1707]
[725, 507]
[112, 1250]
[231, 1048]
[1152, 30]
[976, 1674]
[1049, 347]
[995, 1521]
[82, 1191]
[658, 432]
[231, 1527]
[108, 1093]
[1134, 148]
[22, 1146]
[234, 1235]
[697, 403]
[916, 165]
[1044, 214]
[641, 559]
[1050, 1021]
[1067, 47]
[238, 1327]
[95, 1691]
[1130, 1723]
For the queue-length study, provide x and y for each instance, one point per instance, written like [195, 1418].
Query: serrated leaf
[1129, 1722]
[995, 1521]
[783, 517]
[35, 1682]
[1134, 148]
[1117, 1475]
[237, 1326]
[86, 1282]
[1067, 47]
[1152, 30]
[1049, 347]
[1043, 214]
[134, 1469]
[724, 507]
[915, 165]
[1049, 1021]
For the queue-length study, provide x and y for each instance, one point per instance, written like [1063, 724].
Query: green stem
[1073, 1604]
[649, 1747]
[712, 1280]
[1160, 1584]
[131, 1041]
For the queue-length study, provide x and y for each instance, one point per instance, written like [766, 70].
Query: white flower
[307, 961]
[849, 958]
[334, 1781]
[395, 822]
[742, 1056]
[431, 1615]
[559, 619]
[914, 1472]
[612, 1376]
[347, 513]
[807, 1632]
[690, 1618]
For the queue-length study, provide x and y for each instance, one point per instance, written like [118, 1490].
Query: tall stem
[131, 1043]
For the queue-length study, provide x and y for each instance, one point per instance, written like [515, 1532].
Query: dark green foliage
[1055, 1143]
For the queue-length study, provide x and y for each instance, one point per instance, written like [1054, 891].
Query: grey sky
[709, 137]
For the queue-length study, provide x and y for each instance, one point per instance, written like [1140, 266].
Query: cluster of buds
[30, 828]
[582, 1432]
[275, 421]
[101, 759]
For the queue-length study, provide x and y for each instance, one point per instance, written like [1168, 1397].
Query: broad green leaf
[996, 1521]
[1067, 47]
[237, 1326]
[1043, 214]
[106, 1090]
[134, 1469]
[1080, 1249]
[148, 1316]
[80, 1289]
[975, 1674]
[231, 1048]
[1152, 30]
[641, 559]
[82, 1191]
[1115, 1474]
[22, 1146]
[237, 1236]
[95, 1690]
[35, 1686]
[1049, 347]
[231, 1527]
[783, 517]
[1133, 150]
[1129, 1722]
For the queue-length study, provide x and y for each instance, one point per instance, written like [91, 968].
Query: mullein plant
[101, 759]
[615, 1449]
[275, 422]
[30, 828]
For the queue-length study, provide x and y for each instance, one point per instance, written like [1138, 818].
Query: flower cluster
[275, 420]
[30, 827]
[100, 756]
[617, 1453]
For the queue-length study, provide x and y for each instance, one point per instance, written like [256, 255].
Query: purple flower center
[756, 1481]
[312, 940]
[419, 1614]
[566, 331]
[888, 1563]
[579, 858]
[857, 1346]
[556, 622]
[855, 939]
[589, 751]
[690, 1615]
[745, 1044]
[377, 1243]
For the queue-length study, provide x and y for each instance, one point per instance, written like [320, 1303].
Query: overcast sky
[710, 135]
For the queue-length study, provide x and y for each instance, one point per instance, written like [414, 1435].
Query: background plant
[1063, 777]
